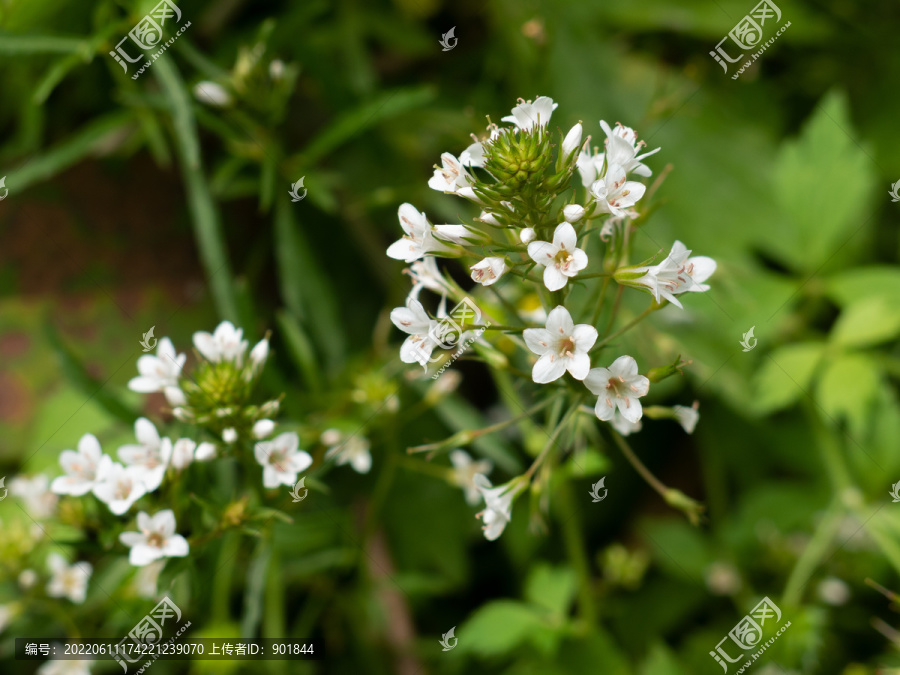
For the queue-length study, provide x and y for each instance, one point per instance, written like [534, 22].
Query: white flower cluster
[513, 177]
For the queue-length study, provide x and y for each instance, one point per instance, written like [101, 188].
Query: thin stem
[552, 440]
[511, 308]
[516, 329]
[593, 275]
[628, 326]
[652, 480]
[571, 529]
[466, 437]
[598, 302]
[812, 555]
[615, 309]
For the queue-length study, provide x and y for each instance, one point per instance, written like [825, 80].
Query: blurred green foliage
[781, 176]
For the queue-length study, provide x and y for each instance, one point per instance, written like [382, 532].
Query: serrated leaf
[498, 627]
[848, 286]
[785, 375]
[866, 322]
[822, 181]
[847, 388]
[551, 588]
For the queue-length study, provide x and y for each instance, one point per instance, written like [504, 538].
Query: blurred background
[135, 203]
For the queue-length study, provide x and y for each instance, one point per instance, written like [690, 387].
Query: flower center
[563, 259]
[123, 489]
[156, 540]
[566, 348]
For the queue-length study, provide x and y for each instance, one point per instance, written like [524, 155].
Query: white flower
[833, 591]
[39, 500]
[687, 417]
[497, 506]
[589, 166]
[263, 428]
[677, 274]
[474, 154]
[259, 354]
[562, 345]
[414, 321]
[212, 94]
[527, 235]
[421, 237]
[622, 147]
[146, 579]
[353, 451]
[150, 457]
[561, 259]
[573, 213]
[160, 372]
[618, 386]
[451, 177]
[488, 218]
[527, 114]
[281, 460]
[572, 140]
[156, 539]
[7, 614]
[464, 472]
[68, 581]
[119, 487]
[225, 344]
[205, 452]
[81, 467]
[623, 426]
[182, 453]
[425, 274]
[229, 435]
[614, 193]
[488, 270]
[66, 667]
[27, 579]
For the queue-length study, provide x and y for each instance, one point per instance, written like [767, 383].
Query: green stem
[598, 301]
[812, 555]
[552, 440]
[577, 552]
[628, 326]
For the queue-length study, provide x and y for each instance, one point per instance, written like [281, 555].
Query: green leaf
[356, 121]
[68, 153]
[300, 349]
[867, 322]
[42, 44]
[552, 588]
[848, 387]
[204, 215]
[498, 627]
[78, 376]
[661, 661]
[304, 286]
[257, 571]
[785, 375]
[848, 286]
[822, 181]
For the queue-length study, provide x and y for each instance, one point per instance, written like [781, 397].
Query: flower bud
[205, 452]
[263, 428]
[572, 141]
[229, 435]
[527, 235]
[488, 270]
[212, 94]
[573, 213]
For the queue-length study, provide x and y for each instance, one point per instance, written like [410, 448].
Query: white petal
[564, 237]
[584, 336]
[554, 279]
[548, 368]
[579, 365]
[537, 339]
[596, 380]
[559, 322]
